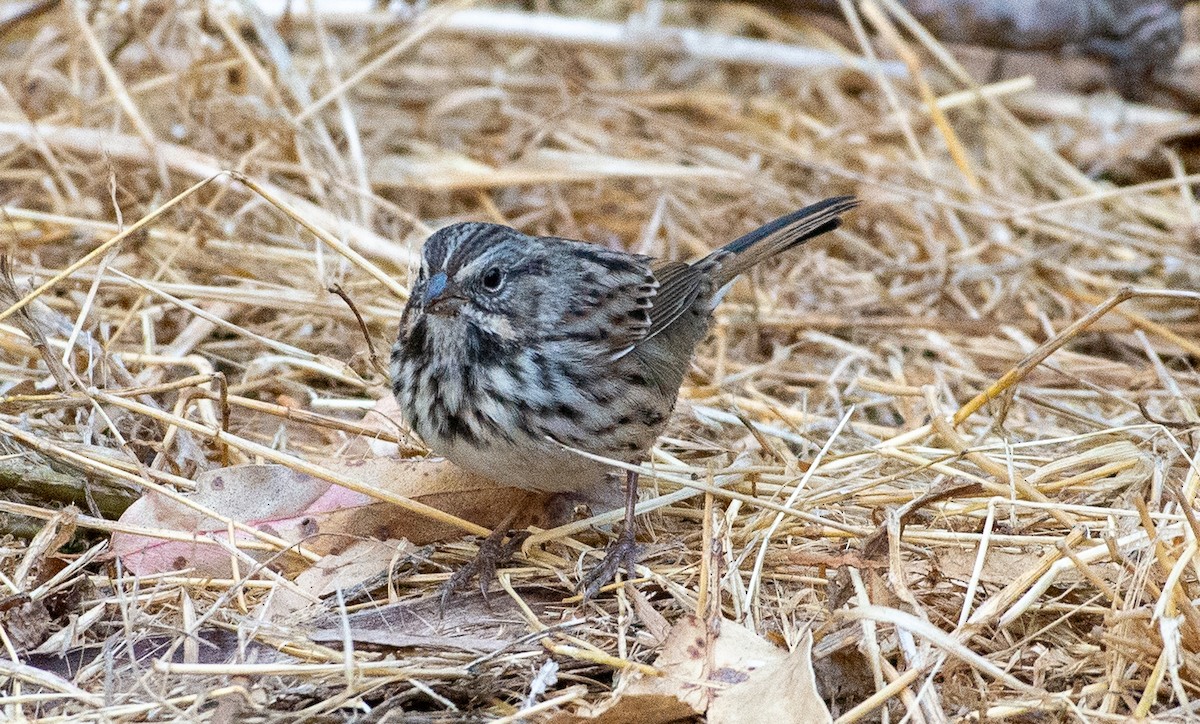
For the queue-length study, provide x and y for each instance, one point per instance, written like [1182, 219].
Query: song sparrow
[514, 347]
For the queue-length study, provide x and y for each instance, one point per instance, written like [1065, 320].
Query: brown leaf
[783, 690]
[327, 518]
[361, 561]
[634, 709]
[27, 623]
[656, 625]
[386, 417]
[469, 624]
[35, 565]
[434, 482]
[998, 566]
[732, 677]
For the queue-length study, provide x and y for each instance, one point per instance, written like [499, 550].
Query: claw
[494, 551]
[623, 553]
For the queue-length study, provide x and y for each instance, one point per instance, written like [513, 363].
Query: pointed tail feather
[782, 234]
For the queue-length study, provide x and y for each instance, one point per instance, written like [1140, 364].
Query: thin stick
[1036, 357]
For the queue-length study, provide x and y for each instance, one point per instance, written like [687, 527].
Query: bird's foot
[622, 553]
[494, 551]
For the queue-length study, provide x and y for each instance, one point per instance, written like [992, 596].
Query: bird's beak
[437, 284]
[437, 300]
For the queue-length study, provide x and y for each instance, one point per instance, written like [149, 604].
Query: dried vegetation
[953, 440]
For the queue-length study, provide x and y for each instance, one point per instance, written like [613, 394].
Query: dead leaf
[842, 671]
[733, 677]
[435, 482]
[958, 564]
[784, 690]
[363, 560]
[386, 417]
[27, 623]
[470, 624]
[74, 632]
[635, 709]
[272, 498]
[327, 518]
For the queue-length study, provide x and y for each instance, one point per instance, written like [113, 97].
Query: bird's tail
[781, 234]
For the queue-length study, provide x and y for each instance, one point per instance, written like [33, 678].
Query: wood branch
[29, 477]
[503, 24]
[1139, 39]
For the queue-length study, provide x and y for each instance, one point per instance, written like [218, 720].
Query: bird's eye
[492, 280]
[421, 274]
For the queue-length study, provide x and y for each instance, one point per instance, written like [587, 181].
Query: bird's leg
[494, 551]
[623, 552]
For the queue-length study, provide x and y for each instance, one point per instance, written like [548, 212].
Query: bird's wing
[679, 285]
[624, 310]
[673, 291]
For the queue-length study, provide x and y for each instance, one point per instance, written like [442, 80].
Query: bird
[515, 352]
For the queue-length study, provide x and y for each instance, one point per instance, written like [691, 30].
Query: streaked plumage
[511, 342]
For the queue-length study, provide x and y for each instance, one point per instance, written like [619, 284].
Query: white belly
[542, 468]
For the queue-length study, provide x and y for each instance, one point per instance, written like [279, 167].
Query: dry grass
[874, 444]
